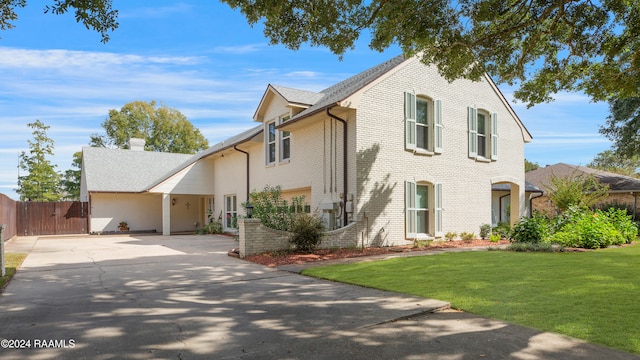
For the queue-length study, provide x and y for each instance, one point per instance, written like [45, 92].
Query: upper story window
[271, 142]
[285, 141]
[483, 134]
[277, 143]
[423, 124]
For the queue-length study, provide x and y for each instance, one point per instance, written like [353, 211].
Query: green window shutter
[472, 118]
[494, 136]
[437, 189]
[410, 120]
[411, 215]
[437, 121]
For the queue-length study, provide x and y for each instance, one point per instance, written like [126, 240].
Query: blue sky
[203, 59]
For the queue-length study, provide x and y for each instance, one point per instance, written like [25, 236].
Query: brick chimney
[136, 144]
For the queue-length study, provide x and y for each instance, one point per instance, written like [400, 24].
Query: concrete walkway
[182, 297]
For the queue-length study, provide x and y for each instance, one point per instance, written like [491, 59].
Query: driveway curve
[182, 297]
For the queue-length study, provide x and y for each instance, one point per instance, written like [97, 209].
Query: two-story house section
[396, 149]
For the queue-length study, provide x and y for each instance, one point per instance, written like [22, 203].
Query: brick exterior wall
[544, 205]
[384, 165]
[255, 238]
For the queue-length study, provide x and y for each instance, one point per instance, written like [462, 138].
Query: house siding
[143, 212]
[195, 179]
[384, 164]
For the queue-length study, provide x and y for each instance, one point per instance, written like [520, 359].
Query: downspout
[531, 203]
[344, 164]
[235, 147]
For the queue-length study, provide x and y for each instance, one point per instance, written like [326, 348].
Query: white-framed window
[423, 124]
[483, 134]
[418, 216]
[271, 142]
[230, 212]
[285, 141]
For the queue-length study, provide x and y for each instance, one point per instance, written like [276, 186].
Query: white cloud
[75, 60]
[238, 49]
[156, 11]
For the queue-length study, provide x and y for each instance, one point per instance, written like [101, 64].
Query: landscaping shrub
[588, 229]
[494, 238]
[213, 226]
[273, 211]
[450, 235]
[533, 229]
[533, 247]
[307, 231]
[485, 230]
[622, 221]
[503, 229]
[467, 236]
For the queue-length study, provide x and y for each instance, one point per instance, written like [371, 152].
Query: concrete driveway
[182, 297]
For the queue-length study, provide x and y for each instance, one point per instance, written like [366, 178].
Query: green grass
[12, 261]
[594, 296]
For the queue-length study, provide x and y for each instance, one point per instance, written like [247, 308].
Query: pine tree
[42, 183]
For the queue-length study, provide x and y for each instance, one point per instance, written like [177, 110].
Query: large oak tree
[542, 46]
[163, 129]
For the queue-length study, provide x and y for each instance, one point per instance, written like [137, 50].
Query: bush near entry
[578, 227]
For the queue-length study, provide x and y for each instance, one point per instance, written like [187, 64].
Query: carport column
[517, 203]
[166, 214]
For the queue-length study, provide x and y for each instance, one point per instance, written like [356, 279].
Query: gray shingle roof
[117, 170]
[298, 96]
[345, 88]
[616, 182]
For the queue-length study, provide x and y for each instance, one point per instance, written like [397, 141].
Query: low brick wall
[256, 238]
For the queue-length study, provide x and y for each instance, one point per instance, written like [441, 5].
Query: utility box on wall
[330, 215]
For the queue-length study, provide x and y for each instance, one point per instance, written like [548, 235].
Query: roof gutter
[344, 163]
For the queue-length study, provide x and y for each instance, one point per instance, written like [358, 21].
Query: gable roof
[341, 91]
[338, 92]
[616, 182]
[118, 170]
[297, 96]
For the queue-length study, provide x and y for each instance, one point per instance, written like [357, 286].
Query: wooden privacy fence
[52, 218]
[8, 216]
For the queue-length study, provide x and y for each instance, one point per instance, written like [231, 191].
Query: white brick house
[396, 149]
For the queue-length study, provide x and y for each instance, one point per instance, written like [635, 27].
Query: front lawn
[594, 296]
[12, 261]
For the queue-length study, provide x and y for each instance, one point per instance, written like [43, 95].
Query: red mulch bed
[273, 259]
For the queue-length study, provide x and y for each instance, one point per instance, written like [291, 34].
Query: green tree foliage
[42, 181]
[529, 166]
[96, 15]
[611, 161]
[623, 126]
[580, 191]
[545, 46]
[70, 183]
[163, 128]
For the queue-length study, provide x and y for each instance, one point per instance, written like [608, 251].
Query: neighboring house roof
[118, 170]
[616, 182]
[528, 187]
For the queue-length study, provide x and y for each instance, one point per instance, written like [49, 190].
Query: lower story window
[230, 212]
[420, 221]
